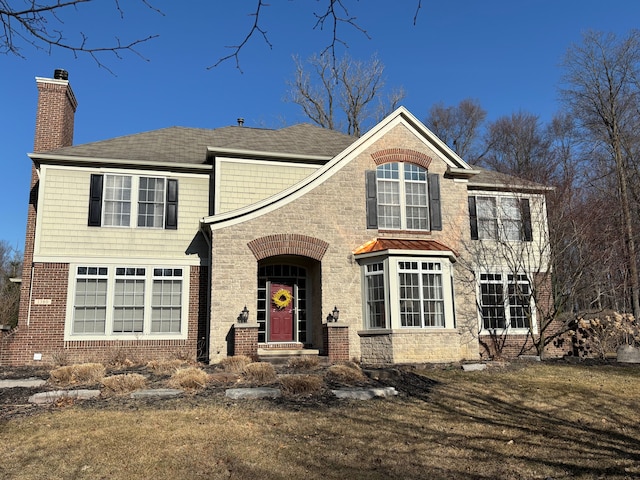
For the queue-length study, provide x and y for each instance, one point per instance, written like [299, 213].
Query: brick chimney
[56, 110]
[54, 129]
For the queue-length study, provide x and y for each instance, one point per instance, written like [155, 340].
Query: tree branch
[32, 26]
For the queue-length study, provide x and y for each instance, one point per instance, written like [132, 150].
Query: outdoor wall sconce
[334, 315]
[244, 315]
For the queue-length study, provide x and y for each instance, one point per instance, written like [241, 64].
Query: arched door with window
[282, 304]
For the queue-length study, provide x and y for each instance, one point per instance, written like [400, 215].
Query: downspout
[30, 295]
[207, 238]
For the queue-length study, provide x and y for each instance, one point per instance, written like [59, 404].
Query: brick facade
[335, 338]
[42, 333]
[245, 340]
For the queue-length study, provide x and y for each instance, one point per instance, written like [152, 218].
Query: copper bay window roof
[383, 244]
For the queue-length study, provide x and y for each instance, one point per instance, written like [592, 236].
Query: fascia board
[76, 160]
[258, 154]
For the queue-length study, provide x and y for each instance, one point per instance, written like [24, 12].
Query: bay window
[405, 292]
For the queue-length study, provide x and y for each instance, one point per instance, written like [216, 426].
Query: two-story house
[208, 243]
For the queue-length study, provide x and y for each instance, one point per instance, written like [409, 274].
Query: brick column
[245, 339]
[335, 338]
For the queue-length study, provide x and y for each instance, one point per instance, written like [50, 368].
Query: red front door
[281, 313]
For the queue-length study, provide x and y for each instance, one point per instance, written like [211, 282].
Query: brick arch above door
[390, 155]
[288, 244]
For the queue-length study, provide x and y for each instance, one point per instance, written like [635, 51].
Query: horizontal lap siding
[243, 184]
[63, 230]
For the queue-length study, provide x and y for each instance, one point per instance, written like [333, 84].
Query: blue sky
[504, 53]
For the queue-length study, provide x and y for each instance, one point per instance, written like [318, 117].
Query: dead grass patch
[301, 384]
[124, 383]
[235, 364]
[166, 366]
[223, 378]
[348, 373]
[304, 363]
[259, 372]
[83, 373]
[189, 378]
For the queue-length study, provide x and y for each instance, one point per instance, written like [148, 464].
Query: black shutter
[525, 210]
[95, 201]
[435, 210]
[473, 218]
[171, 216]
[372, 199]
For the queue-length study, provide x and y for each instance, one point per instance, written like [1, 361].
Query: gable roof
[401, 116]
[189, 145]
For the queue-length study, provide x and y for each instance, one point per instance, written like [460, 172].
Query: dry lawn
[534, 421]
[124, 383]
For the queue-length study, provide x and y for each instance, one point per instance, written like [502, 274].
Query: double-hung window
[151, 199]
[375, 295]
[133, 201]
[117, 200]
[421, 294]
[90, 300]
[127, 302]
[505, 301]
[403, 196]
[166, 305]
[500, 218]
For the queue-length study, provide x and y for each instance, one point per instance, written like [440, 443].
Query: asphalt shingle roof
[492, 179]
[189, 145]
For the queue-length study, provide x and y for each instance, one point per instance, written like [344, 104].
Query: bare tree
[458, 126]
[38, 23]
[518, 145]
[601, 90]
[346, 96]
[10, 265]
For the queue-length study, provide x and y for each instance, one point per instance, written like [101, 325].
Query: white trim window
[166, 305]
[90, 300]
[403, 202]
[505, 301]
[127, 302]
[500, 217]
[402, 293]
[151, 198]
[375, 295]
[421, 294]
[117, 200]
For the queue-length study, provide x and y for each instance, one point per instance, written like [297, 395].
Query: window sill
[506, 331]
[149, 337]
[405, 331]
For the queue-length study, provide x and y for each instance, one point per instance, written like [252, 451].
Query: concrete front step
[279, 356]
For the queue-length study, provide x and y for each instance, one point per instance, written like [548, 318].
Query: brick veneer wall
[245, 340]
[44, 333]
[336, 341]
